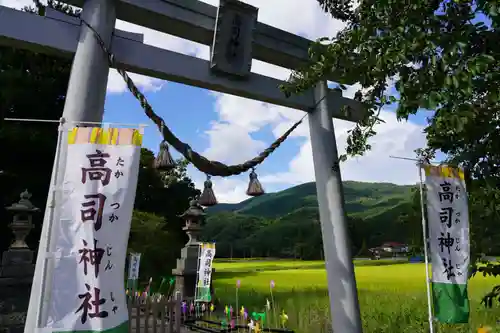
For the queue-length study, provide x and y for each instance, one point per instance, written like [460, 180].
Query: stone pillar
[17, 269]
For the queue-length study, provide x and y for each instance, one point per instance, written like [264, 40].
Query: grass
[392, 295]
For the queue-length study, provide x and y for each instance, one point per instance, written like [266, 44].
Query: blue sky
[188, 111]
[231, 129]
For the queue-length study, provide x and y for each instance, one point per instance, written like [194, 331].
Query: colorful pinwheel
[184, 307]
[283, 318]
[251, 325]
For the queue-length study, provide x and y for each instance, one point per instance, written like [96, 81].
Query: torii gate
[66, 36]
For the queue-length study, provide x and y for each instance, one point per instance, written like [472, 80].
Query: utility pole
[84, 103]
[344, 305]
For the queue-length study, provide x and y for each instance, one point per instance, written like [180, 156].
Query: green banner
[451, 303]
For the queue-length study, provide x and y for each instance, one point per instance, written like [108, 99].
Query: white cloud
[18, 4]
[116, 84]
[157, 39]
[393, 139]
[230, 142]
[230, 190]
[313, 23]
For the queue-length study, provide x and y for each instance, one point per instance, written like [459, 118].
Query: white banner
[93, 224]
[448, 220]
[207, 254]
[133, 266]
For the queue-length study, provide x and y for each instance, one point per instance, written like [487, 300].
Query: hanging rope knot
[164, 161]
[207, 197]
[255, 189]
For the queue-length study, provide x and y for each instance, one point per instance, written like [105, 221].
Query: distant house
[390, 249]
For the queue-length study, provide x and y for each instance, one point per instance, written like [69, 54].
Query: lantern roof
[195, 211]
[24, 205]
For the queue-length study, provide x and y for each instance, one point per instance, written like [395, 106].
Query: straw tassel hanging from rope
[164, 161]
[207, 197]
[254, 187]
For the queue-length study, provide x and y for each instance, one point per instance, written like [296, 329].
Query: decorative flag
[184, 307]
[207, 254]
[448, 219]
[133, 270]
[148, 287]
[91, 229]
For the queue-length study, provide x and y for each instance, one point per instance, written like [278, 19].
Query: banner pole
[47, 267]
[198, 264]
[426, 258]
[424, 236]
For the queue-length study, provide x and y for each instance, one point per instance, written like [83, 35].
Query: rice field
[392, 295]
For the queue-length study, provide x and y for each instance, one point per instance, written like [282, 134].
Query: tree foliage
[440, 55]
[149, 237]
[443, 58]
[411, 219]
[156, 227]
[33, 86]
[297, 234]
[286, 223]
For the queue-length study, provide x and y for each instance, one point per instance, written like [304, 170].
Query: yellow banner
[105, 136]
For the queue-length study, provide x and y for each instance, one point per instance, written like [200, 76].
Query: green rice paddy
[392, 295]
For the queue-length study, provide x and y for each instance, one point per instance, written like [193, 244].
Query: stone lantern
[194, 216]
[17, 269]
[22, 221]
[187, 264]
[18, 259]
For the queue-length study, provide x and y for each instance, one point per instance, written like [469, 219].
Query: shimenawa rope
[213, 168]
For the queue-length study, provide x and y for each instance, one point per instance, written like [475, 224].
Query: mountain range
[286, 223]
[361, 200]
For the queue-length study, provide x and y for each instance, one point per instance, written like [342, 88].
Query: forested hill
[362, 199]
[286, 223]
